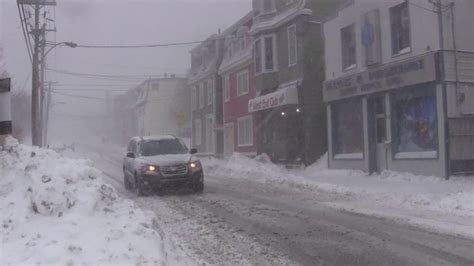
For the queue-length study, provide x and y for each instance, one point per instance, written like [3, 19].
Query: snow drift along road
[445, 205]
[58, 210]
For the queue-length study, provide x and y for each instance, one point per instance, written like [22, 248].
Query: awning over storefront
[286, 94]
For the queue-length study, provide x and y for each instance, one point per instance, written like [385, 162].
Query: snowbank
[58, 210]
[446, 205]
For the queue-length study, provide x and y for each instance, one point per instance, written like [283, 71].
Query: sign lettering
[390, 76]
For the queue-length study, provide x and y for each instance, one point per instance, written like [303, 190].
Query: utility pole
[47, 113]
[39, 38]
[42, 92]
[35, 80]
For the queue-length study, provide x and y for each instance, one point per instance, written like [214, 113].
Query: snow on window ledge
[417, 155]
[349, 156]
[354, 66]
[403, 51]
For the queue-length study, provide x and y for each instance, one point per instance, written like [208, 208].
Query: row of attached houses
[257, 86]
[379, 85]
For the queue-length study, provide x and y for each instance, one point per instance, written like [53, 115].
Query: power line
[134, 77]
[156, 44]
[138, 46]
[422, 7]
[91, 85]
[24, 32]
[90, 74]
[162, 98]
[80, 96]
[444, 8]
[27, 26]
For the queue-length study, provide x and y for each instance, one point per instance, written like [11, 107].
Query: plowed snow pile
[56, 210]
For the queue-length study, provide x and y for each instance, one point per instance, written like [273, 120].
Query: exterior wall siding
[309, 70]
[422, 40]
[237, 106]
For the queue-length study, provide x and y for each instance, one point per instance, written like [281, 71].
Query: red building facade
[238, 76]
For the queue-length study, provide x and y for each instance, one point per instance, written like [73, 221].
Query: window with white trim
[245, 131]
[258, 56]
[265, 54]
[269, 53]
[348, 47]
[242, 83]
[226, 88]
[210, 93]
[400, 26]
[202, 98]
[292, 46]
[197, 132]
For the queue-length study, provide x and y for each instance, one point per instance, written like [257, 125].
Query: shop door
[379, 129]
[229, 143]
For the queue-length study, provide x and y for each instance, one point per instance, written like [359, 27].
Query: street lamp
[70, 44]
[44, 119]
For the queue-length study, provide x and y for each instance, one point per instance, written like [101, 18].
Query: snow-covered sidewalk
[444, 205]
[56, 210]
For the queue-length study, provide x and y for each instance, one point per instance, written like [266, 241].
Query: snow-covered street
[254, 214]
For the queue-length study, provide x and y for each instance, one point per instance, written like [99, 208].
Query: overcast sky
[121, 22]
[115, 22]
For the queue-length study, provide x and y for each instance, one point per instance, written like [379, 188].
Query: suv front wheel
[128, 185]
[140, 187]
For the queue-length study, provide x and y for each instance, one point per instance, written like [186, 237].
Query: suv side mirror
[130, 155]
[193, 151]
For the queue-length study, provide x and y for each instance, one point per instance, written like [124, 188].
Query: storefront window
[348, 130]
[415, 129]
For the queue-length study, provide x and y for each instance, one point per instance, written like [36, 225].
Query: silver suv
[155, 163]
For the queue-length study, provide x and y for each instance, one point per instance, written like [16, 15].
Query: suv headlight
[150, 169]
[195, 166]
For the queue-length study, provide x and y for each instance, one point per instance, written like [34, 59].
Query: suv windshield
[162, 147]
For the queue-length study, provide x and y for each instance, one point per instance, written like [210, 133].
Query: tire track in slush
[234, 224]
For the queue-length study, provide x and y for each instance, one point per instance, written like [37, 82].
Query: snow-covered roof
[205, 59]
[262, 23]
[238, 57]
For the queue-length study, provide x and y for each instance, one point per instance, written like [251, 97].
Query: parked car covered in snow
[159, 162]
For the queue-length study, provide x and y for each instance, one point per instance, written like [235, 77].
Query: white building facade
[400, 86]
[5, 99]
[158, 106]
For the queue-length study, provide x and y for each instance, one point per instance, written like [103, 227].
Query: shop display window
[415, 123]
